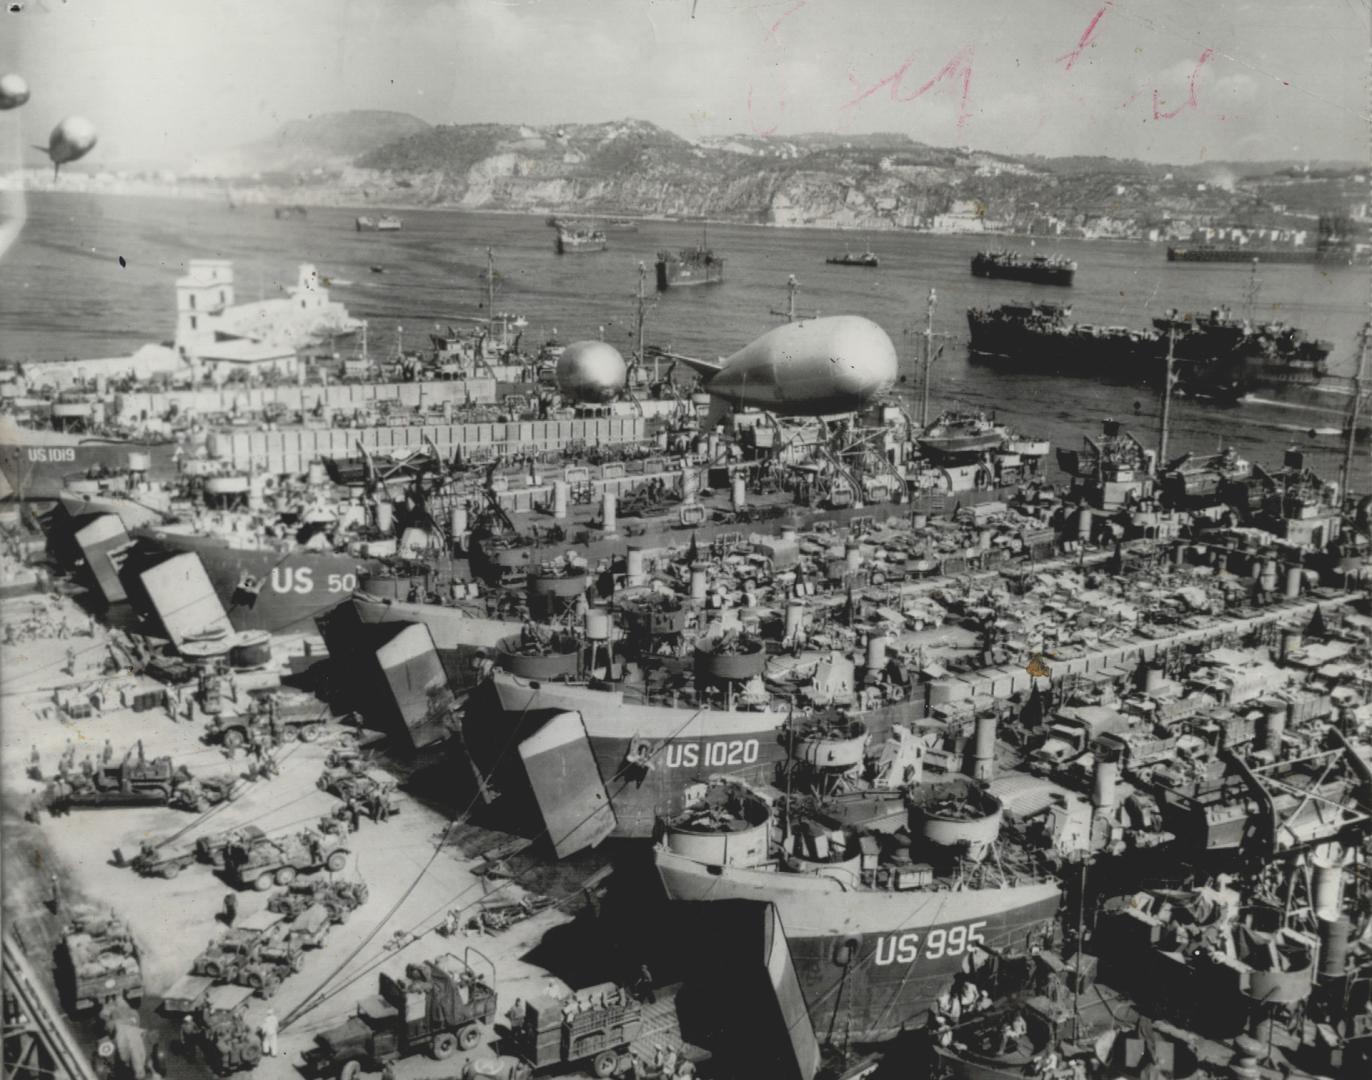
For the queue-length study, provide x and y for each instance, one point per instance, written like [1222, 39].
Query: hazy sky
[1174, 80]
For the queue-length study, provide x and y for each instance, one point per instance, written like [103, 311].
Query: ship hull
[671, 275]
[1243, 255]
[271, 588]
[39, 464]
[903, 948]
[687, 745]
[1034, 275]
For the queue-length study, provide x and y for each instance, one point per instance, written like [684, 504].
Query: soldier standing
[107, 753]
[230, 913]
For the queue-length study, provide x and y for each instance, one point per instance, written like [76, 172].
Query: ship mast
[792, 291]
[1166, 400]
[1354, 408]
[929, 357]
[490, 293]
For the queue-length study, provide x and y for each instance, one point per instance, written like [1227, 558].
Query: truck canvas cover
[567, 785]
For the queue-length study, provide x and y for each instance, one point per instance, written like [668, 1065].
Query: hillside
[876, 181]
[331, 141]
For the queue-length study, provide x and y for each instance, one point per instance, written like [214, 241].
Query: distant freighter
[690, 266]
[385, 223]
[1012, 266]
[578, 241]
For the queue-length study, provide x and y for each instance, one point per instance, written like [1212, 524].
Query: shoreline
[197, 194]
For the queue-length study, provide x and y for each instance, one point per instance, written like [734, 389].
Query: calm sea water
[64, 294]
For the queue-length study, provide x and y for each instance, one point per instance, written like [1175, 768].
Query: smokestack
[560, 498]
[795, 619]
[607, 511]
[698, 584]
[1103, 786]
[1274, 727]
[984, 749]
[876, 652]
[740, 492]
[634, 574]
[1293, 583]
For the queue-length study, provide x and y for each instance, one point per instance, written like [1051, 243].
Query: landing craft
[814, 367]
[71, 140]
[14, 91]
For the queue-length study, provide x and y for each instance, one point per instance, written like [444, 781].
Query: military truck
[226, 1040]
[274, 717]
[226, 957]
[364, 786]
[259, 862]
[595, 1025]
[437, 1007]
[339, 898]
[97, 961]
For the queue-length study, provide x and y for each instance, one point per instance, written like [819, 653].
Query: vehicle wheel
[255, 980]
[337, 861]
[298, 963]
[469, 1037]
[350, 1070]
[290, 732]
[159, 792]
[604, 1063]
[251, 1055]
[171, 870]
[263, 882]
[310, 732]
[444, 1045]
[233, 738]
[285, 875]
[212, 969]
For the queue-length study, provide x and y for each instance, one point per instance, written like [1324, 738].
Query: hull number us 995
[939, 942]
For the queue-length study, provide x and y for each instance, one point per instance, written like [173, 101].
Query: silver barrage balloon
[14, 91]
[71, 140]
[592, 371]
[815, 367]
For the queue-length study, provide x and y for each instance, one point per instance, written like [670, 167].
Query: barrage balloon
[71, 140]
[14, 91]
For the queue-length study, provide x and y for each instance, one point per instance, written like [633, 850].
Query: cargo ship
[1012, 266]
[879, 923]
[851, 258]
[385, 223]
[1215, 354]
[688, 267]
[578, 241]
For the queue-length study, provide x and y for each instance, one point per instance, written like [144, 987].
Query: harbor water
[63, 293]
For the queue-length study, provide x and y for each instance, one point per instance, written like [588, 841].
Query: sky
[1164, 80]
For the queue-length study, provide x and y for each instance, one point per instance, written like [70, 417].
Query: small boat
[573, 241]
[852, 258]
[289, 211]
[385, 223]
[378, 269]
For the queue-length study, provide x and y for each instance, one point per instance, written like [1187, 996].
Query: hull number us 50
[300, 579]
[937, 943]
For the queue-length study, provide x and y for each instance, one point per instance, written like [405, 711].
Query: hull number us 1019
[934, 944]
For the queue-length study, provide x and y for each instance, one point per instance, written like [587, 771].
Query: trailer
[186, 995]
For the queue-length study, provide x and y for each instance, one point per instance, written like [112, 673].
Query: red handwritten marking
[1085, 39]
[764, 132]
[1190, 102]
[786, 15]
[959, 66]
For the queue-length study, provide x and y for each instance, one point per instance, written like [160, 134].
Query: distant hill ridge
[636, 167]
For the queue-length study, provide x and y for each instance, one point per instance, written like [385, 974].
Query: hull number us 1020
[934, 944]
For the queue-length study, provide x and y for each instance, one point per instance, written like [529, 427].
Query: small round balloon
[71, 140]
[14, 91]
